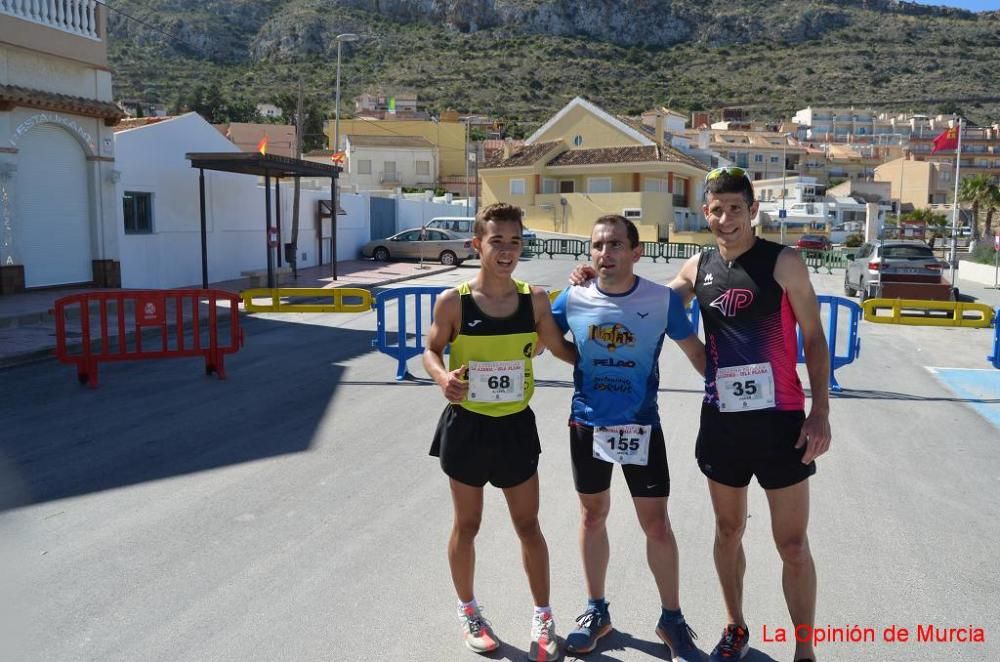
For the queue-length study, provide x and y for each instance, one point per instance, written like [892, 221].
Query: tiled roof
[360, 140]
[12, 95]
[629, 154]
[525, 156]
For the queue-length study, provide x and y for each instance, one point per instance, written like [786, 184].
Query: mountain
[523, 59]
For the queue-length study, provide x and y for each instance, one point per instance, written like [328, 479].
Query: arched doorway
[52, 228]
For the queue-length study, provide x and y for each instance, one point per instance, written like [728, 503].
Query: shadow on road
[858, 394]
[158, 419]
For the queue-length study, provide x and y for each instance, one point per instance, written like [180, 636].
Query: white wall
[417, 213]
[152, 159]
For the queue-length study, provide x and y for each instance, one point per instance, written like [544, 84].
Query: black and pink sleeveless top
[748, 319]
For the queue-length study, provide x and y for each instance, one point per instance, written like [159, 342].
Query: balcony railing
[77, 17]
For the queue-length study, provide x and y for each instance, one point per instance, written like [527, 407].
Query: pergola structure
[266, 166]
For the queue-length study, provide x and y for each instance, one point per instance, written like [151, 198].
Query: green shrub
[854, 240]
[983, 252]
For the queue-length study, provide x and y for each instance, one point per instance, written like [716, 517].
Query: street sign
[782, 213]
[996, 241]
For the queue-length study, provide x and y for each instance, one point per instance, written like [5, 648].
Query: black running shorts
[476, 449]
[733, 447]
[592, 476]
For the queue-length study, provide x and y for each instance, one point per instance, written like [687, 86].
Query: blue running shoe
[678, 638]
[734, 645]
[591, 626]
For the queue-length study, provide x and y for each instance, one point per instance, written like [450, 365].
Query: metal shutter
[52, 209]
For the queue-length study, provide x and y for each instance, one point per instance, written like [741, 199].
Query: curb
[48, 353]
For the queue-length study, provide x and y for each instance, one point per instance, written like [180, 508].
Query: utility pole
[292, 256]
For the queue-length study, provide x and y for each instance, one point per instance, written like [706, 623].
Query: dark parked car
[814, 242]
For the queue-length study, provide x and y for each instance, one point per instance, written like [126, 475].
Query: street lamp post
[340, 38]
[784, 191]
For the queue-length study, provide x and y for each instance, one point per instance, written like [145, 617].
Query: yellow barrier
[914, 312]
[279, 303]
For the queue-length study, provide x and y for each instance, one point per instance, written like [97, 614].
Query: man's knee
[527, 528]
[467, 527]
[594, 516]
[729, 532]
[794, 550]
[656, 527]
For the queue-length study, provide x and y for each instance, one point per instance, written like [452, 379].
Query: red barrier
[170, 320]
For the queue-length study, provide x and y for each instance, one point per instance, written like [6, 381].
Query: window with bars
[138, 211]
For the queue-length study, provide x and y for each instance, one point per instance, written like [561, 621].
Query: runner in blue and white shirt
[618, 323]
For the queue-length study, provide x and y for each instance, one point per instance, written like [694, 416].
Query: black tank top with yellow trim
[482, 338]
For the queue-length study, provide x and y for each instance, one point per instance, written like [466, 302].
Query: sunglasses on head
[733, 171]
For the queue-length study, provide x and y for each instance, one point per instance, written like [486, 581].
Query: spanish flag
[947, 140]
[338, 158]
[262, 145]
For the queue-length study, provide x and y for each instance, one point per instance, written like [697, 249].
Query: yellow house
[584, 163]
[447, 136]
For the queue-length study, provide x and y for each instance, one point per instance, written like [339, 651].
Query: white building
[379, 163]
[159, 225]
[806, 204]
[268, 110]
[57, 159]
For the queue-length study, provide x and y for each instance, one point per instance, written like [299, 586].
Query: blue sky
[973, 5]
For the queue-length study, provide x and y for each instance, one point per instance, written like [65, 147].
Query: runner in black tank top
[752, 293]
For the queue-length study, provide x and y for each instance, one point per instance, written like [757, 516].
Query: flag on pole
[947, 140]
[262, 145]
[338, 158]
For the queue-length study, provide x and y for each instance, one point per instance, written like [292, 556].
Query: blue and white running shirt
[619, 337]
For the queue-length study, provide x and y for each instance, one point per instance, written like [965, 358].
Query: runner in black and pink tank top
[748, 322]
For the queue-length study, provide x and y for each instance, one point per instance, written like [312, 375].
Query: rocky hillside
[524, 58]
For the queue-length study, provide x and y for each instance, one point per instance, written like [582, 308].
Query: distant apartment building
[388, 106]
[268, 110]
[763, 154]
[379, 163]
[449, 137]
[918, 183]
[59, 212]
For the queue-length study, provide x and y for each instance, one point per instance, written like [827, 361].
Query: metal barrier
[828, 260]
[575, 247]
[281, 300]
[533, 247]
[681, 251]
[918, 312]
[653, 249]
[834, 304]
[172, 313]
[995, 359]
[399, 349]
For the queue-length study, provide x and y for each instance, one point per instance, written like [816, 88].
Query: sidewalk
[28, 330]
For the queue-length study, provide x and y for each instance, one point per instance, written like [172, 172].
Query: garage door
[52, 209]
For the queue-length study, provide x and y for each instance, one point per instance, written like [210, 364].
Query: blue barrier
[995, 359]
[853, 342]
[400, 350]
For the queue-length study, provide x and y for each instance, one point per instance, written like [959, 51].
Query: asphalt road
[291, 512]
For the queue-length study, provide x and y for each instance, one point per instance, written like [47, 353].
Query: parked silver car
[891, 261]
[442, 245]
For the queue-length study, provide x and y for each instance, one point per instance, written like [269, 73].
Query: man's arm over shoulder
[444, 328]
[683, 282]
[680, 330]
[791, 273]
[549, 333]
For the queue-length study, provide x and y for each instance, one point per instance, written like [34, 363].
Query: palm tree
[976, 190]
[992, 204]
